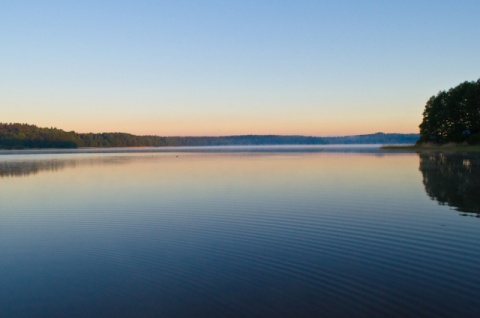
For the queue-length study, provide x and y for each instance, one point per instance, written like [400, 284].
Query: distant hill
[377, 138]
[20, 136]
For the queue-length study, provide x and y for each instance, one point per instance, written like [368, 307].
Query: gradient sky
[232, 67]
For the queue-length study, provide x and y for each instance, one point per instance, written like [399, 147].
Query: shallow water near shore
[269, 232]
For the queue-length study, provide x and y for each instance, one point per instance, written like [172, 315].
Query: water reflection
[23, 169]
[231, 235]
[22, 163]
[453, 179]
[28, 167]
[450, 179]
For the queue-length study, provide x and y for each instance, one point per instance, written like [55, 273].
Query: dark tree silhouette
[453, 115]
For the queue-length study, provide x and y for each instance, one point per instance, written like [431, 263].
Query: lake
[239, 232]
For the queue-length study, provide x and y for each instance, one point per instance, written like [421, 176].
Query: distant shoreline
[25, 136]
[363, 148]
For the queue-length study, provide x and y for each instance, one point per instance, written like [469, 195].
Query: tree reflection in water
[25, 168]
[453, 179]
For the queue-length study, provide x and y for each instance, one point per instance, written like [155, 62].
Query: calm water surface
[272, 233]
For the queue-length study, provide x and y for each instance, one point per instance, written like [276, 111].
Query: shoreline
[449, 147]
[376, 148]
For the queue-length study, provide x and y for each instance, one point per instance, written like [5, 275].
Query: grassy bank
[427, 147]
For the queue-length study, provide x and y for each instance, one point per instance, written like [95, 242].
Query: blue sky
[232, 67]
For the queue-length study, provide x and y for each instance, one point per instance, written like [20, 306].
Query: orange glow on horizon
[224, 128]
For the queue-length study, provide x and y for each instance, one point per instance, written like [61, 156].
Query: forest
[453, 116]
[22, 136]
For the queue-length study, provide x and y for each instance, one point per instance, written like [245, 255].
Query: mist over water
[238, 234]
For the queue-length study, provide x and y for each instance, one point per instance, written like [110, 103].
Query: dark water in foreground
[242, 234]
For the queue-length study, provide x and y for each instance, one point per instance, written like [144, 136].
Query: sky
[225, 67]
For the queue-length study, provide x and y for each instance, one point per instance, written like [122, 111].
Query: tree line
[30, 136]
[453, 115]
[20, 136]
